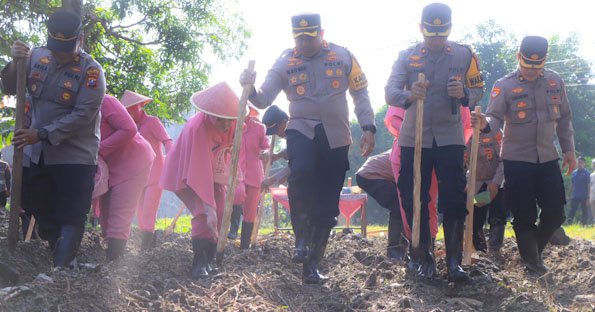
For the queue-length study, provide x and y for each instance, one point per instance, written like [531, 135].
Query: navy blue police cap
[533, 52]
[63, 28]
[436, 20]
[272, 117]
[305, 25]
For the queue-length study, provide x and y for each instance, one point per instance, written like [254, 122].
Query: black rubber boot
[234, 225]
[302, 235]
[200, 261]
[543, 236]
[425, 253]
[67, 245]
[247, 228]
[479, 218]
[147, 241]
[453, 240]
[211, 261]
[319, 240]
[496, 237]
[397, 244]
[115, 248]
[527, 244]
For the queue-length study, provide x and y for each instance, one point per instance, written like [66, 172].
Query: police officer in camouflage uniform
[531, 105]
[315, 76]
[67, 87]
[453, 78]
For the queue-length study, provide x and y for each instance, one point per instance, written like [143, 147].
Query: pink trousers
[146, 214]
[119, 204]
[206, 220]
[250, 207]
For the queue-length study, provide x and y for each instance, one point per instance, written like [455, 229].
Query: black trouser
[384, 192]
[496, 209]
[62, 195]
[585, 210]
[3, 199]
[316, 179]
[528, 185]
[448, 163]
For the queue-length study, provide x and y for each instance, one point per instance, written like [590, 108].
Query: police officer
[531, 105]
[453, 78]
[376, 178]
[315, 76]
[489, 178]
[67, 87]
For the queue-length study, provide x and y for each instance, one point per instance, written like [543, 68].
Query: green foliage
[160, 48]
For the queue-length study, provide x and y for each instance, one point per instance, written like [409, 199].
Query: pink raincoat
[129, 158]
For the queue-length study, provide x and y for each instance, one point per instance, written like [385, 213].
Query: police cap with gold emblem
[533, 52]
[305, 24]
[272, 118]
[64, 28]
[435, 20]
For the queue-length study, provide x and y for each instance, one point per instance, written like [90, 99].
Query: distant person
[152, 130]
[129, 158]
[579, 190]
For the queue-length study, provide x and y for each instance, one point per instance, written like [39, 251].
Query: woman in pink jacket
[129, 158]
[253, 143]
[152, 130]
[197, 169]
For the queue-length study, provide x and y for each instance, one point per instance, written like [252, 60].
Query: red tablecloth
[348, 205]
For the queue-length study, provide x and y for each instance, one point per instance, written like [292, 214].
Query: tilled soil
[264, 279]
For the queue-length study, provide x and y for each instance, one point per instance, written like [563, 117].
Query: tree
[160, 48]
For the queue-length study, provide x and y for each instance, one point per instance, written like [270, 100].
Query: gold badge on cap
[437, 21]
[534, 56]
[304, 23]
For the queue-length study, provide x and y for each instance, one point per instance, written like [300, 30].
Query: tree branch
[131, 25]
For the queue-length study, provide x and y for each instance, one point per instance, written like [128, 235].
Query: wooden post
[172, 226]
[267, 169]
[235, 157]
[30, 229]
[419, 121]
[17, 159]
[468, 240]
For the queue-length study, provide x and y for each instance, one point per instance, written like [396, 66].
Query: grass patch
[575, 231]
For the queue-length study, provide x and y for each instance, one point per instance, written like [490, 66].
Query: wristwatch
[42, 134]
[370, 128]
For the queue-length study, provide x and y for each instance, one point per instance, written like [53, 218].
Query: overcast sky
[375, 31]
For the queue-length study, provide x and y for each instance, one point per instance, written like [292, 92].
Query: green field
[574, 230]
